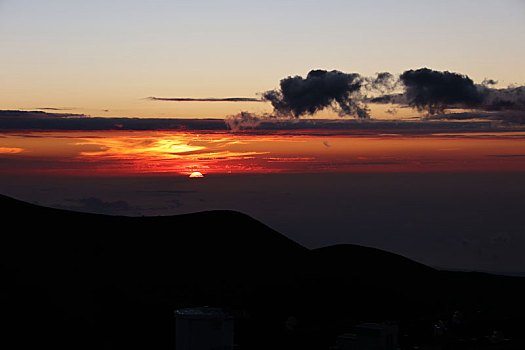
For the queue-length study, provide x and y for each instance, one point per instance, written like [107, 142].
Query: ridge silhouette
[78, 280]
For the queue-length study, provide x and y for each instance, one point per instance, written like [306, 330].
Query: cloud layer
[12, 120]
[426, 90]
[433, 91]
[209, 99]
[320, 89]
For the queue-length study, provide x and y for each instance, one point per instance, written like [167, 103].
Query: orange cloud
[10, 150]
[181, 153]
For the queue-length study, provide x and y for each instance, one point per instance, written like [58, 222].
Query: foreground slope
[76, 280]
[99, 278]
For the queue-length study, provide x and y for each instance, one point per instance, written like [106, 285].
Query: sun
[196, 174]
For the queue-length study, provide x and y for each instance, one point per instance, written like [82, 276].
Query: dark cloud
[488, 82]
[461, 116]
[348, 94]
[268, 124]
[39, 120]
[508, 99]
[434, 91]
[54, 109]
[244, 120]
[383, 82]
[511, 118]
[506, 155]
[6, 114]
[424, 89]
[298, 96]
[210, 99]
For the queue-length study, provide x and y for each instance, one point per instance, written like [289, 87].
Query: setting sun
[196, 174]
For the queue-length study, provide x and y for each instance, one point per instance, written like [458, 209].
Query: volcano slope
[78, 280]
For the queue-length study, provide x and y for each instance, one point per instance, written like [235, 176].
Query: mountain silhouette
[78, 280]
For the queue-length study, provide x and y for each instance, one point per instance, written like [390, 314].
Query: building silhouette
[369, 336]
[203, 328]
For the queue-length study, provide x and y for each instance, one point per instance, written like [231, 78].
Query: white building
[203, 328]
[369, 336]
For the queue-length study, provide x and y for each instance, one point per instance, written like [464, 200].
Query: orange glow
[182, 153]
[10, 150]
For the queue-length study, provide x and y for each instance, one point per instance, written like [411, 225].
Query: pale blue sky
[109, 54]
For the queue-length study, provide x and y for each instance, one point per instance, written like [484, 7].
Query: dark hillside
[76, 280]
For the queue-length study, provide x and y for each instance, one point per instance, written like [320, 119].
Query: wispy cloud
[208, 99]
[55, 108]
[15, 113]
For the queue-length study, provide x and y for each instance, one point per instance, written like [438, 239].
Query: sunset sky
[111, 54]
[393, 124]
